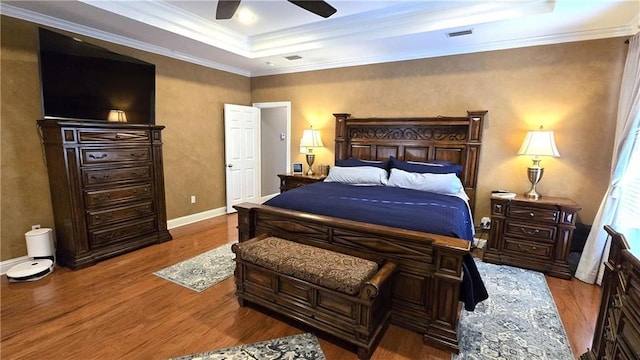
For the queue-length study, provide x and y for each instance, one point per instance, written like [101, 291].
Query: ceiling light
[245, 16]
[270, 63]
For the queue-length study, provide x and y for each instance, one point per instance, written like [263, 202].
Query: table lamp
[537, 143]
[310, 140]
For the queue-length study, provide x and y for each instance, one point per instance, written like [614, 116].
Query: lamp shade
[310, 139]
[539, 143]
[117, 116]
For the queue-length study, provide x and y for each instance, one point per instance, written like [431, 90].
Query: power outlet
[193, 199]
[485, 223]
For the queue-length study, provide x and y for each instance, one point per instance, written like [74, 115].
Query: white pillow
[439, 183]
[357, 175]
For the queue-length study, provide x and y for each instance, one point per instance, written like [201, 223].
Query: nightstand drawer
[533, 213]
[539, 232]
[290, 181]
[525, 248]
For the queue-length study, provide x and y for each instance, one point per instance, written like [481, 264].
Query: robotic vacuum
[30, 270]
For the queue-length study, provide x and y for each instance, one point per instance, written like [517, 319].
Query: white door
[242, 154]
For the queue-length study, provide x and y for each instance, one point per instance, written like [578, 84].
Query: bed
[436, 275]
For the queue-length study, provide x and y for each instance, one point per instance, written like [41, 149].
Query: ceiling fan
[227, 8]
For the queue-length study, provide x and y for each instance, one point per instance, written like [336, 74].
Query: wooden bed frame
[426, 290]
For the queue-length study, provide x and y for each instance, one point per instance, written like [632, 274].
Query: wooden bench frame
[359, 319]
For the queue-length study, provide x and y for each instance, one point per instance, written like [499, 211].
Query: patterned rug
[296, 347]
[202, 271]
[518, 321]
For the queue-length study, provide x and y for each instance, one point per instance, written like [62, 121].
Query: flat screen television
[84, 81]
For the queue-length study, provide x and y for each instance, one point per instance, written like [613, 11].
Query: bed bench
[342, 295]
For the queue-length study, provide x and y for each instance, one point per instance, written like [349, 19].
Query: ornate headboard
[455, 139]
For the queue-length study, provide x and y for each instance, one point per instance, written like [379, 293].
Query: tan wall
[189, 102]
[570, 88]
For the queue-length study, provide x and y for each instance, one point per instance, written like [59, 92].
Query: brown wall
[570, 88]
[189, 102]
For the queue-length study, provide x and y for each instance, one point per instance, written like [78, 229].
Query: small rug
[296, 347]
[202, 271]
[518, 321]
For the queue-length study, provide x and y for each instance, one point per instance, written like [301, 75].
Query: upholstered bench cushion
[322, 267]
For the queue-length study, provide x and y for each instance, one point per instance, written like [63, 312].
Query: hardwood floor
[118, 309]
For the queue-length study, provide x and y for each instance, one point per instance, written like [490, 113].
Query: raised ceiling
[361, 32]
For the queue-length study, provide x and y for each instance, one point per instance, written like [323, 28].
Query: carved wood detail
[439, 133]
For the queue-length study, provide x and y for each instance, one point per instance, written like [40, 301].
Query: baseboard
[173, 223]
[193, 218]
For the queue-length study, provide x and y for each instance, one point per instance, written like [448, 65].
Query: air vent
[293, 57]
[460, 33]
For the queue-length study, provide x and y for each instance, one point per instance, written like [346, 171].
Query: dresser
[107, 188]
[617, 332]
[292, 181]
[532, 234]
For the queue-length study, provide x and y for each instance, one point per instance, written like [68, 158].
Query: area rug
[296, 347]
[518, 321]
[203, 271]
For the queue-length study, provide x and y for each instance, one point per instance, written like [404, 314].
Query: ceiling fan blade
[321, 8]
[226, 9]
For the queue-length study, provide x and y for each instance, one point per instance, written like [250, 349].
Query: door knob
[230, 165]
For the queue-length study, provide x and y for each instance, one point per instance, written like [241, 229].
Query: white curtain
[619, 198]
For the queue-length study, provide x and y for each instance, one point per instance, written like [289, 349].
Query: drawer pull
[529, 231]
[526, 248]
[106, 216]
[137, 155]
[104, 197]
[531, 214]
[100, 177]
[98, 157]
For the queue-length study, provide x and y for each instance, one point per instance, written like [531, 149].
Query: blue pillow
[357, 162]
[432, 167]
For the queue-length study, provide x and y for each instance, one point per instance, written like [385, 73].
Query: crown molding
[493, 46]
[163, 15]
[46, 20]
[279, 37]
[401, 20]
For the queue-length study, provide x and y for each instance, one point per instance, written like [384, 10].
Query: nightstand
[532, 234]
[292, 181]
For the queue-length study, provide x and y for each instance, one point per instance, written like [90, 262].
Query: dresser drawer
[114, 136]
[525, 248]
[532, 213]
[121, 232]
[538, 232]
[110, 216]
[91, 156]
[94, 198]
[104, 176]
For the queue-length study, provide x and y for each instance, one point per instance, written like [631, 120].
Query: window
[628, 219]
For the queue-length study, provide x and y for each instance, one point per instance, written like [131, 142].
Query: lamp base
[310, 159]
[532, 195]
[534, 173]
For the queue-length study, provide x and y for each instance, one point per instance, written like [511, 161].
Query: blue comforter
[410, 209]
[397, 207]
